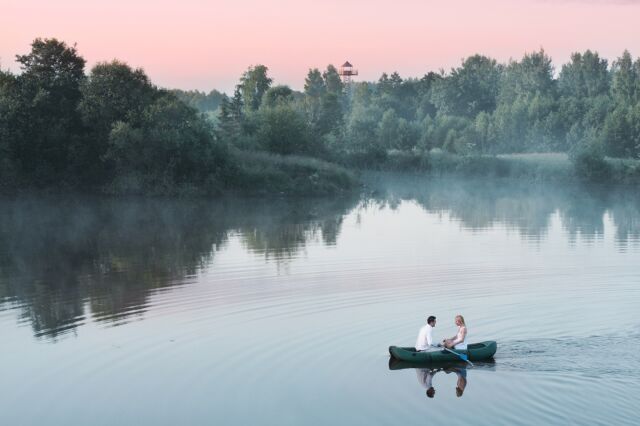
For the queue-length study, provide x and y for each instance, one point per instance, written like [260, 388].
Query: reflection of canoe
[396, 364]
[475, 351]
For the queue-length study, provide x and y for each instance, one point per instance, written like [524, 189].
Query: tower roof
[347, 64]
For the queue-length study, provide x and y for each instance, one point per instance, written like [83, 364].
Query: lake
[280, 311]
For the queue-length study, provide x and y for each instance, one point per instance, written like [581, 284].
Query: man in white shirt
[425, 378]
[425, 340]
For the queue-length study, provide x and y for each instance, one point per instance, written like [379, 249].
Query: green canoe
[476, 352]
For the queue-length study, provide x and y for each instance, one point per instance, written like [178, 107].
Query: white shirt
[424, 341]
[425, 377]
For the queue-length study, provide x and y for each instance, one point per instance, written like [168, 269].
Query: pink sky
[199, 44]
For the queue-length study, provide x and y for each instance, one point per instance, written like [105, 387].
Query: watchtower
[346, 71]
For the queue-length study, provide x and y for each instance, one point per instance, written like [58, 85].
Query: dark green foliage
[114, 130]
[332, 80]
[388, 91]
[589, 162]
[330, 114]
[584, 103]
[113, 93]
[425, 106]
[469, 89]
[52, 73]
[621, 131]
[282, 130]
[277, 95]
[322, 101]
[532, 76]
[231, 118]
[314, 90]
[397, 133]
[314, 85]
[443, 131]
[626, 80]
[171, 147]
[8, 109]
[586, 76]
[203, 102]
[361, 134]
[44, 126]
[254, 83]
[294, 175]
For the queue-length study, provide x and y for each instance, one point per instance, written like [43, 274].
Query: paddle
[461, 356]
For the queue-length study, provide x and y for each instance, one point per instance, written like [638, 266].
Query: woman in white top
[459, 341]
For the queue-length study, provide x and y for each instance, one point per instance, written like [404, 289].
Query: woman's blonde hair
[461, 319]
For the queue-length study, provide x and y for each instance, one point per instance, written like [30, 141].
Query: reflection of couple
[425, 338]
[425, 378]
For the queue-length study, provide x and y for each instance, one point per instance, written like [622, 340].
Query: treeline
[113, 129]
[205, 102]
[480, 107]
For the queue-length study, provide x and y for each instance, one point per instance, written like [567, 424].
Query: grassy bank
[252, 173]
[264, 173]
[543, 167]
[244, 173]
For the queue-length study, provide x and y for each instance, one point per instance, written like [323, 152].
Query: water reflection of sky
[202, 307]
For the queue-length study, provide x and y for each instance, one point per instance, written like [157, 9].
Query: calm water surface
[276, 312]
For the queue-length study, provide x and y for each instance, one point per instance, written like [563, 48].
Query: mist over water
[238, 311]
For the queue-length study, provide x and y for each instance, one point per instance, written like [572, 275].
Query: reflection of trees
[582, 214]
[280, 229]
[476, 204]
[480, 204]
[627, 221]
[53, 313]
[62, 258]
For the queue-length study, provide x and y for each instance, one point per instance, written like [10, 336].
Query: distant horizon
[207, 45]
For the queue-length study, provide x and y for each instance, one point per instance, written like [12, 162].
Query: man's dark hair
[431, 392]
[431, 319]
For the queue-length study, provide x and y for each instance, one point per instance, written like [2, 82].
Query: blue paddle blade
[464, 357]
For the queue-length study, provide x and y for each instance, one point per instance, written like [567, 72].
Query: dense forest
[112, 130]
